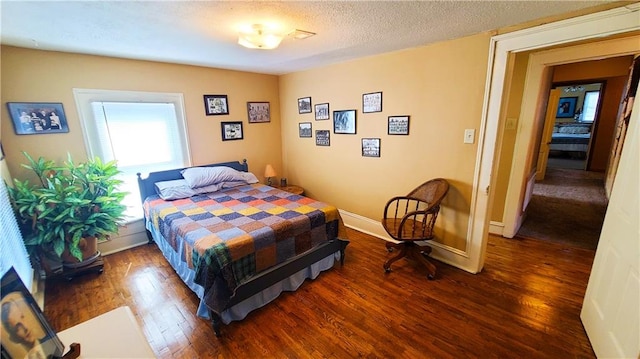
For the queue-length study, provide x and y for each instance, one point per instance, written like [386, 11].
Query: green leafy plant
[70, 202]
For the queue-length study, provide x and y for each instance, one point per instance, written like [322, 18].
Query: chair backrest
[432, 191]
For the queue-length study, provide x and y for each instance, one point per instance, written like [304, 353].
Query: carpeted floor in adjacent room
[568, 206]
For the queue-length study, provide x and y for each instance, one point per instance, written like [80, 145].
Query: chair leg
[391, 246]
[420, 255]
[425, 249]
[401, 253]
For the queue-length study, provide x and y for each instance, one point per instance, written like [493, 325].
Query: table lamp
[269, 173]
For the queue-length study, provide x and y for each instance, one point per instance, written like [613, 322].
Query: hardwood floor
[524, 304]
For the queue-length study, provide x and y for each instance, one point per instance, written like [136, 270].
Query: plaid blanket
[228, 236]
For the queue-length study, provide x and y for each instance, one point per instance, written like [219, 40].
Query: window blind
[12, 250]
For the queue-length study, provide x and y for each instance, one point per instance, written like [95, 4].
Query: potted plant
[71, 207]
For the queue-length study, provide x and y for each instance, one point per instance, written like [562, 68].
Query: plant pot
[89, 248]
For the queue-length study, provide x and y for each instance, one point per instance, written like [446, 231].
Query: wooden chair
[411, 218]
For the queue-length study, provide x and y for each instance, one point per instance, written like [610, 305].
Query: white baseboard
[441, 252]
[129, 236]
[496, 228]
[364, 225]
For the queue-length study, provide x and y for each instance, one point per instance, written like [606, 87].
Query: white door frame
[614, 21]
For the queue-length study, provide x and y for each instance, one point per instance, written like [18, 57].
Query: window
[590, 106]
[142, 131]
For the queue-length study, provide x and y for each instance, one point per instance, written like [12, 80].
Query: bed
[237, 244]
[571, 137]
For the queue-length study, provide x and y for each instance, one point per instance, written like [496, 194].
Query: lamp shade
[269, 171]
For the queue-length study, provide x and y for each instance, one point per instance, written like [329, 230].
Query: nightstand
[291, 189]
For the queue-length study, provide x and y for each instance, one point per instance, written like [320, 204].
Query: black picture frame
[344, 122]
[304, 105]
[372, 102]
[398, 125]
[215, 105]
[304, 129]
[370, 147]
[323, 138]
[232, 130]
[32, 118]
[18, 301]
[258, 112]
[322, 111]
[566, 107]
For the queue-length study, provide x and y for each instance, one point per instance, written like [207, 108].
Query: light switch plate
[469, 135]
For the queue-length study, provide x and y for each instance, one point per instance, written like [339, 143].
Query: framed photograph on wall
[216, 105]
[398, 125]
[372, 102]
[371, 147]
[304, 129]
[322, 138]
[567, 107]
[25, 332]
[231, 130]
[258, 112]
[322, 111]
[30, 118]
[304, 105]
[344, 121]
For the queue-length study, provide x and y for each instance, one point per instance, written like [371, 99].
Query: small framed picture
[231, 130]
[322, 111]
[567, 107]
[304, 105]
[372, 102]
[322, 138]
[304, 129]
[30, 118]
[216, 105]
[25, 332]
[398, 125]
[344, 121]
[258, 112]
[371, 147]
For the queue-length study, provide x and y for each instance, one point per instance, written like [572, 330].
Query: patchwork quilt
[230, 235]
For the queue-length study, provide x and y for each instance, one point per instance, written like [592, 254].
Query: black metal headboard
[146, 185]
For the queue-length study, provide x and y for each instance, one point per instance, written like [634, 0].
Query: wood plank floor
[525, 304]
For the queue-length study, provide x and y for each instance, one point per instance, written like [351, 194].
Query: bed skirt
[242, 309]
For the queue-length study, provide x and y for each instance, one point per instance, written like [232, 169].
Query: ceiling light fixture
[259, 38]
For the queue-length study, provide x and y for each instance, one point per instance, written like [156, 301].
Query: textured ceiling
[204, 33]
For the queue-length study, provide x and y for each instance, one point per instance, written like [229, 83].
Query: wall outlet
[469, 135]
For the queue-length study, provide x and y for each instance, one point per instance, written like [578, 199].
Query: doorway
[543, 70]
[568, 200]
[575, 118]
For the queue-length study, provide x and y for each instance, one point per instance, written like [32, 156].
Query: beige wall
[41, 76]
[440, 86]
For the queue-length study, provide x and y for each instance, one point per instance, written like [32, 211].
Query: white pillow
[178, 189]
[233, 184]
[204, 176]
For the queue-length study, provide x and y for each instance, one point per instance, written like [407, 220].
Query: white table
[115, 334]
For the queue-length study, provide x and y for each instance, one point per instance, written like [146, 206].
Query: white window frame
[85, 97]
